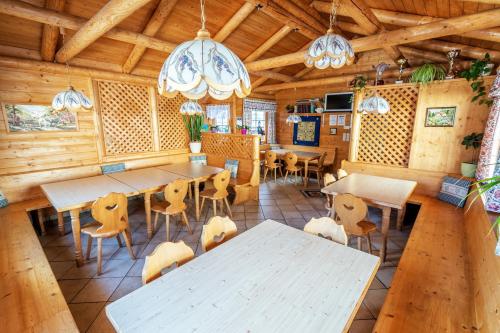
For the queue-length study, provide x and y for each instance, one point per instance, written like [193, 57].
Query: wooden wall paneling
[172, 132]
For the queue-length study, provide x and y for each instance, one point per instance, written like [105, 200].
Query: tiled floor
[87, 294]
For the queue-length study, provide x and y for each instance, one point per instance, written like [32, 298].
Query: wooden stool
[165, 255]
[291, 166]
[270, 164]
[217, 231]
[174, 204]
[219, 192]
[110, 213]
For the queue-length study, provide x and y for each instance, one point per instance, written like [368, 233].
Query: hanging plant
[428, 73]
[358, 83]
[475, 73]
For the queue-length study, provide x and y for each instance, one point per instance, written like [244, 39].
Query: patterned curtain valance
[259, 105]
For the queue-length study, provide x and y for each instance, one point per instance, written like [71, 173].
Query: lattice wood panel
[230, 145]
[386, 139]
[126, 118]
[172, 132]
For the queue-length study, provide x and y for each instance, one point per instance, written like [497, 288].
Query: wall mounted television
[339, 102]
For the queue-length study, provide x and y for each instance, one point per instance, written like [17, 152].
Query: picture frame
[440, 116]
[39, 118]
[341, 120]
[333, 131]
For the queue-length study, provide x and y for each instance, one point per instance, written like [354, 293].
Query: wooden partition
[128, 123]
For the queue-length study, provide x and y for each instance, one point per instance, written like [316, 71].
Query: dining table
[196, 173]
[302, 156]
[271, 278]
[382, 192]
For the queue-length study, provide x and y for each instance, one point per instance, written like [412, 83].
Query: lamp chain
[202, 5]
[333, 13]
[62, 31]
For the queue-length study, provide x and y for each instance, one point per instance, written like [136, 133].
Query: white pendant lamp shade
[203, 65]
[71, 100]
[191, 108]
[294, 119]
[374, 104]
[330, 50]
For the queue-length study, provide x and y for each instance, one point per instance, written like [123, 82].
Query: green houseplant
[481, 187]
[475, 74]
[428, 73]
[243, 128]
[194, 123]
[473, 141]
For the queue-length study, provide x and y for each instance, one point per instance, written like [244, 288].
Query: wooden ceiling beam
[451, 26]
[275, 76]
[113, 12]
[275, 38]
[491, 2]
[50, 33]
[465, 50]
[234, 21]
[301, 14]
[29, 12]
[154, 24]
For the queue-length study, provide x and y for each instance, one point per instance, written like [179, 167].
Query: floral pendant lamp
[376, 103]
[294, 118]
[330, 49]
[203, 65]
[191, 108]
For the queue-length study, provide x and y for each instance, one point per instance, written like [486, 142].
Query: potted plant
[473, 141]
[475, 73]
[243, 128]
[194, 123]
[428, 73]
[358, 83]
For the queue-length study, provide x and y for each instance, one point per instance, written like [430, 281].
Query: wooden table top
[389, 192]
[78, 193]
[191, 170]
[300, 154]
[147, 179]
[271, 278]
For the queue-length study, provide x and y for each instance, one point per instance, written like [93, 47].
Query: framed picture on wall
[333, 131]
[38, 118]
[440, 116]
[306, 133]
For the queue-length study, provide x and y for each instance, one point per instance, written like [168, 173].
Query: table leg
[306, 172]
[75, 227]
[147, 208]
[197, 199]
[386, 218]
[401, 215]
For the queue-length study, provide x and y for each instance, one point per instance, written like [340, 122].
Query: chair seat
[276, 165]
[212, 194]
[314, 168]
[367, 226]
[294, 169]
[163, 207]
[91, 230]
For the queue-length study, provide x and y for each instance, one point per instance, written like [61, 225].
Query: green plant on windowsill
[473, 141]
[476, 73]
[482, 187]
[428, 73]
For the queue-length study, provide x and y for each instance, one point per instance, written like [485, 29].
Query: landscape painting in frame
[38, 118]
[440, 117]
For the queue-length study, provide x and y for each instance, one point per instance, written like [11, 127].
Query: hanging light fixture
[191, 107]
[330, 49]
[71, 99]
[376, 103]
[202, 65]
[294, 118]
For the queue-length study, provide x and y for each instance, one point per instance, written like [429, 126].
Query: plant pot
[487, 70]
[468, 169]
[243, 131]
[195, 147]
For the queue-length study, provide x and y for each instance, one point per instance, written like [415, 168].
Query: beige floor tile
[254, 216]
[97, 290]
[363, 313]
[268, 202]
[374, 300]
[107, 250]
[288, 214]
[136, 269]
[251, 223]
[59, 268]
[101, 324]
[116, 268]
[385, 275]
[122, 252]
[376, 284]
[88, 270]
[362, 326]
[70, 288]
[85, 313]
[127, 285]
[252, 209]
[238, 209]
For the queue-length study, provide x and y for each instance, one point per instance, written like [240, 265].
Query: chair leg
[119, 240]
[99, 256]
[202, 203]
[128, 244]
[214, 203]
[156, 221]
[60, 223]
[286, 175]
[190, 191]
[275, 174]
[281, 171]
[187, 222]
[228, 208]
[369, 240]
[265, 173]
[359, 244]
[89, 247]
[40, 221]
[296, 177]
[319, 179]
[167, 222]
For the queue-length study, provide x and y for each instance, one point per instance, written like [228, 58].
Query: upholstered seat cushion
[3, 200]
[112, 168]
[454, 190]
[198, 159]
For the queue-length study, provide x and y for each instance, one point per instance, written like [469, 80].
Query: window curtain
[489, 156]
[250, 104]
[219, 113]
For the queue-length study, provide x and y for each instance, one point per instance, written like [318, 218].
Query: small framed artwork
[38, 118]
[333, 131]
[341, 120]
[440, 117]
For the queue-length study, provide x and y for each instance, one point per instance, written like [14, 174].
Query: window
[218, 116]
[258, 124]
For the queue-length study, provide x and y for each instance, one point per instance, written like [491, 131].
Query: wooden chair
[328, 179]
[341, 173]
[111, 220]
[219, 192]
[318, 169]
[327, 228]
[174, 204]
[271, 165]
[351, 212]
[217, 231]
[165, 255]
[291, 166]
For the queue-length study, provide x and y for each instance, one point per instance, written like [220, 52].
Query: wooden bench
[30, 297]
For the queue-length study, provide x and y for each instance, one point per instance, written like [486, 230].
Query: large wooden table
[381, 192]
[303, 156]
[197, 173]
[272, 278]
